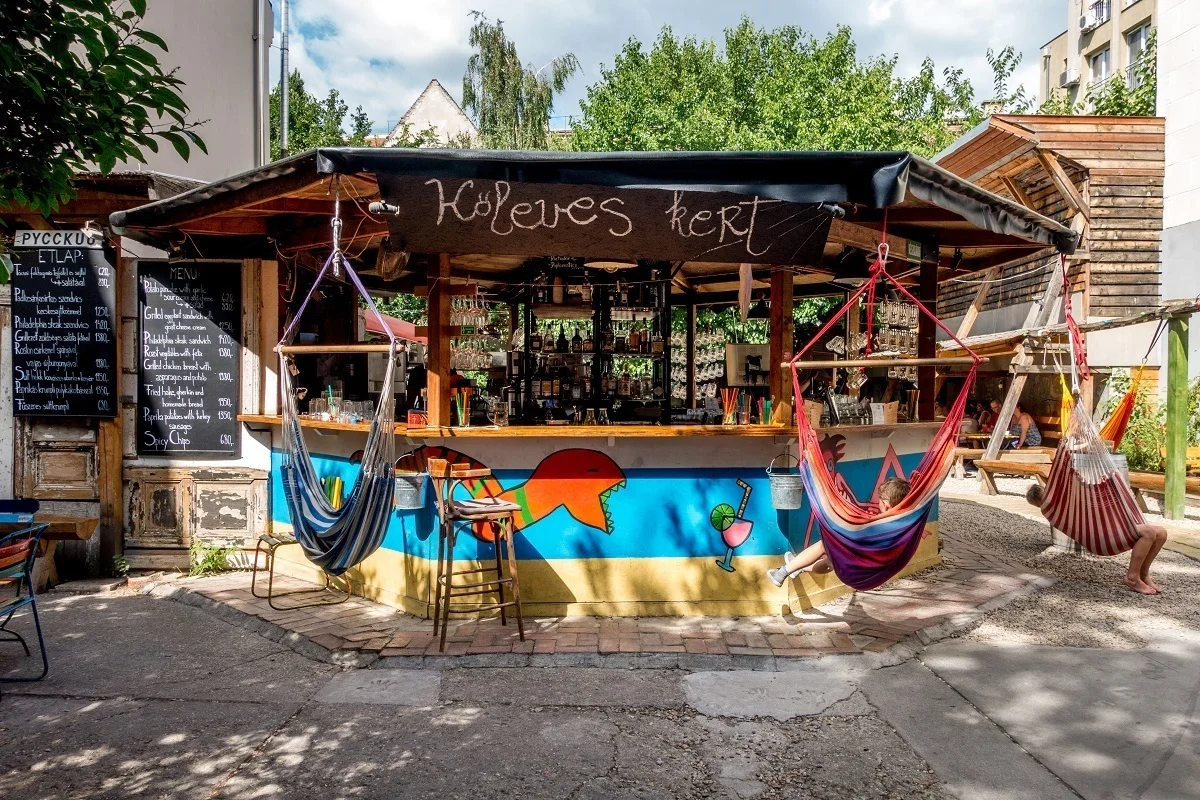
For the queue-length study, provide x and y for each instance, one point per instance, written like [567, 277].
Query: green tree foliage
[1114, 97]
[1004, 64]
[779, 89]
[313, 122]
[80, 89]
[511, 102]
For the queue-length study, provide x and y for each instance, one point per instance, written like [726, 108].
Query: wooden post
[109, 540]
[690, 353]
[927, 332]
[1038, 316]
[782, 325]
[437, 382]
[1177, 417]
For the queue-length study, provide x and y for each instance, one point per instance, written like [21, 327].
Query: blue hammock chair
[338, 539]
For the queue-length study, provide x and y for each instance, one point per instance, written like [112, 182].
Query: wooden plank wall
[1117, 165]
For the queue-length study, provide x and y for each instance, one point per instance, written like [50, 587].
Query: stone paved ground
[972, 578]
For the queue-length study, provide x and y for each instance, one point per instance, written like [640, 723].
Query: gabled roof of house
[433, 90]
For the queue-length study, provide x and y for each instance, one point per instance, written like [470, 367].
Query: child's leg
[1137, 560]
[806, 558]
[1160, 538]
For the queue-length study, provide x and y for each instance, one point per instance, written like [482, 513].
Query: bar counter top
[587, 431]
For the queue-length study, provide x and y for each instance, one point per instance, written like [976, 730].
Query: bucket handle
[781, 455]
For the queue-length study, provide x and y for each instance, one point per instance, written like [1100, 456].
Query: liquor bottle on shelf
[623, 388]
[562, 345]
[535, 341]
[622, 294]
[607, 338]
[621, 344]
[576, 342]
[588, 344]
[656, 343]
[556, 383]
[635, 339]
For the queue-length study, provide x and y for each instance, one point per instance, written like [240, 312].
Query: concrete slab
[387, 687]
[130, 646]
[120, 748]
[780, 695]
[1111, 724]
[566, 686]
[970, 753]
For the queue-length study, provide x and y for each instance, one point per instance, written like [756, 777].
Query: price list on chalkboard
[64, 311]
[188, 357]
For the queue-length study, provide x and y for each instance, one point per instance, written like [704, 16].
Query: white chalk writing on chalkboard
[63, 339]
[188, 359]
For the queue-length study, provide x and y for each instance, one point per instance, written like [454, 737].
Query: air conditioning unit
[1088, 22]
[1069, 77]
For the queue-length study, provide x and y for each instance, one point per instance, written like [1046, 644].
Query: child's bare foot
[1146, 579]
[1135, 584]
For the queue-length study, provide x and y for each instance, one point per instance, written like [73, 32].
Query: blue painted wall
[658, 513]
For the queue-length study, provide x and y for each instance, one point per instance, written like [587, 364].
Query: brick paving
[971, 580]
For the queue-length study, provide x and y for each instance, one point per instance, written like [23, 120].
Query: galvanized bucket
[410, 490]
[787, 488]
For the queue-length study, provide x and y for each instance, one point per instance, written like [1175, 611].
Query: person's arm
[1025, 422]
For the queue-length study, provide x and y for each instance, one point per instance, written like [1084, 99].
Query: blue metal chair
[18, 551]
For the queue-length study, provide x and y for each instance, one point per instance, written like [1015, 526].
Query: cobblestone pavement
[915, 610]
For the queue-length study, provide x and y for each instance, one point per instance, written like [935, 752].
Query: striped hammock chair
[338, 539]
[868, 547]
[1087, 496]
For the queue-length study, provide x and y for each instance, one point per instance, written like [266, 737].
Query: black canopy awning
[764, 207]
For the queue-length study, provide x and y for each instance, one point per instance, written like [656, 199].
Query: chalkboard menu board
[64, 312]
[188, 357]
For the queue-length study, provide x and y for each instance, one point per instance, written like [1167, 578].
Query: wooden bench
[1029, 462]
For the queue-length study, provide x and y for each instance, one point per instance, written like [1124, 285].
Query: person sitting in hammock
[813, 558]
[1151, 539]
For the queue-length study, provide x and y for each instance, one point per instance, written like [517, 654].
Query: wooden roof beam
[1017, 192]
[1064, 184]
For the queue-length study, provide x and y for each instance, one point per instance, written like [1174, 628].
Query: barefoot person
[813, 557]
[1151, 539]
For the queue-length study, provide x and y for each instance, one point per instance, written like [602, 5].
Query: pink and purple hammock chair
[868, 547]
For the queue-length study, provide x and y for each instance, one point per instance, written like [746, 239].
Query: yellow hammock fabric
[1064, 406]
[1113, 429]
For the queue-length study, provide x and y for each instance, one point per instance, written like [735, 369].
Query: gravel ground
[1089, 606]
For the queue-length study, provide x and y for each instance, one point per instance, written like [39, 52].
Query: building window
[1101, 11]
[1136, 39]
[1099, 66]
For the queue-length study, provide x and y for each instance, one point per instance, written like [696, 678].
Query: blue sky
[381, 53]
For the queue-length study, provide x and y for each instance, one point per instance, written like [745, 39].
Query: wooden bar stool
[454, 516]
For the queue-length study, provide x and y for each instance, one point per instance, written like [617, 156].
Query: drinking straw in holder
[729, 400]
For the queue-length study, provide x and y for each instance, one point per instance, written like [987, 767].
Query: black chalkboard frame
[230, 283]
[102, 291]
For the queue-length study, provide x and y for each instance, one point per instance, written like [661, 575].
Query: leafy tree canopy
[81, 88]
[511, 102]
[779, 89]
[313, 122]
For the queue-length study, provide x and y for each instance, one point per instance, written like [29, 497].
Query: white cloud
[381, 53]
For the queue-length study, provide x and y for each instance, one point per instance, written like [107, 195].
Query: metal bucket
[410, 490]
[787, 488]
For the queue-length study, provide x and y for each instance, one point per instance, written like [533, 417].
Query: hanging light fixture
[760, 311]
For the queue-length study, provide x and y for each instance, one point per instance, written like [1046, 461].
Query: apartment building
[1103, 38]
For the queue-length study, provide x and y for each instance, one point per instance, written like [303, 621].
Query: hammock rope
[339, 538]
[1087, 497]
[866, 546]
